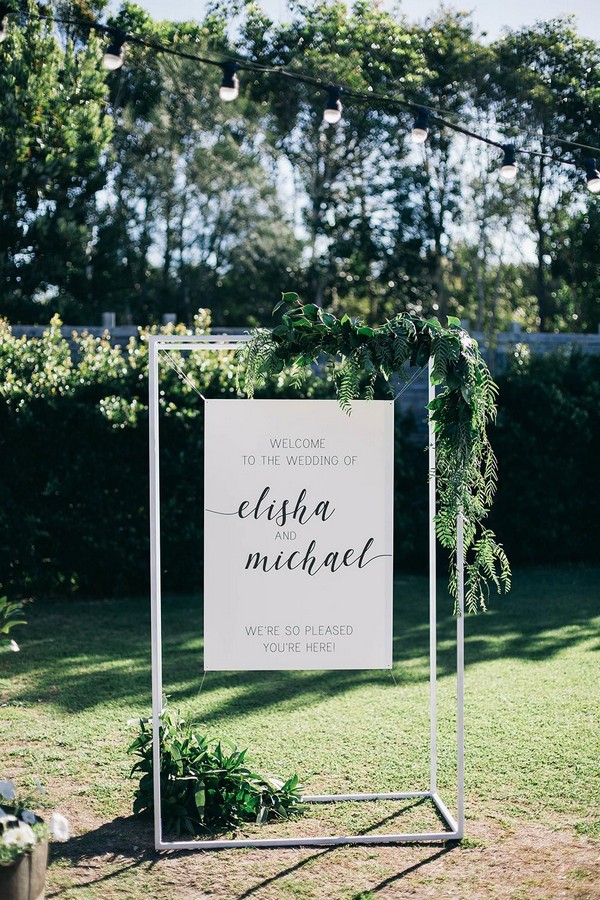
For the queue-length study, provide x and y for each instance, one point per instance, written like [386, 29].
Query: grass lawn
[532, 748]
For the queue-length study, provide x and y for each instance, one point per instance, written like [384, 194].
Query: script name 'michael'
[312, 562]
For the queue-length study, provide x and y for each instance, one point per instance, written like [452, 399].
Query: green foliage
[138, 191]
[547, 438]
[73, 440]
[54, 131]
[10, 613]
[466, 467]
[206, 785]
[74, 482]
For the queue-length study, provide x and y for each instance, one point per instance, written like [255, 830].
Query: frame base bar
[445, 813]
[417, 838]
[335, 840]
[333, 798]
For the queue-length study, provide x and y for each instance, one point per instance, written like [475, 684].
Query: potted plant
[24, 837]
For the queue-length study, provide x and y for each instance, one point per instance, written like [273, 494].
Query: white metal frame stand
[455, 824]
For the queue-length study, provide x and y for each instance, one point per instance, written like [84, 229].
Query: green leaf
[311, 311]
[200, 801]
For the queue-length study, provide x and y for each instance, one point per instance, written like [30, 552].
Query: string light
[333, 107]
[230, 86]
[4, 11]
[592, 175]
[420, 129]
[229, 90]
[114, 54]
[509, 169]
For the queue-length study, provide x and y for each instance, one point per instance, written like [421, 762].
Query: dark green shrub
[74, 479]
[74, 474]
[546, 440]
[204, 786]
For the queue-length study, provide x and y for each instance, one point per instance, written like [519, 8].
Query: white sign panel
[298, 535]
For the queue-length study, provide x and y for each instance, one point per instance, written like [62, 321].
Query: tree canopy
[140, 192]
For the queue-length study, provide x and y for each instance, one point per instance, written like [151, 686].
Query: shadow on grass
[134, 837]
[80, 654]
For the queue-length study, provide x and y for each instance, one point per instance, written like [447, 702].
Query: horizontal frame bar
[334, 798]
[338, 840]
[158, 339]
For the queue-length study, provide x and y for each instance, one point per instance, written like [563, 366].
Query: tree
[53, 132]
[575, 249]
[546, 84]
[193, 191]
[339, 172]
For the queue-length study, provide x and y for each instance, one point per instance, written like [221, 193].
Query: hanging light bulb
[333, 108]
[4, 11]
[230, 86]
[420, 129]
[114, 54]
[592, 175]
[508, 171]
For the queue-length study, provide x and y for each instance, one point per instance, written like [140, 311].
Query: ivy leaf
[289, 299]
[311, 312]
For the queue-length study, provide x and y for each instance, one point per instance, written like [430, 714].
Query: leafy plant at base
[206, 785]
[10, 615]
[466, 468]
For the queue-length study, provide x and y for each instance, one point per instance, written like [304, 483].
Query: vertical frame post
[460, 674]
[155, 579]
[432, 594]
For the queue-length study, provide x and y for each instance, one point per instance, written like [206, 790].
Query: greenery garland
[466, 467]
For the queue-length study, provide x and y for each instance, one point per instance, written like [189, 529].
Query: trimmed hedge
[547, 440]
[74, 479]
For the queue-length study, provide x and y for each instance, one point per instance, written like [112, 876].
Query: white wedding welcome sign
[298, 535]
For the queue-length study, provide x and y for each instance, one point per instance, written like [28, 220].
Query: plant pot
[25, 879]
